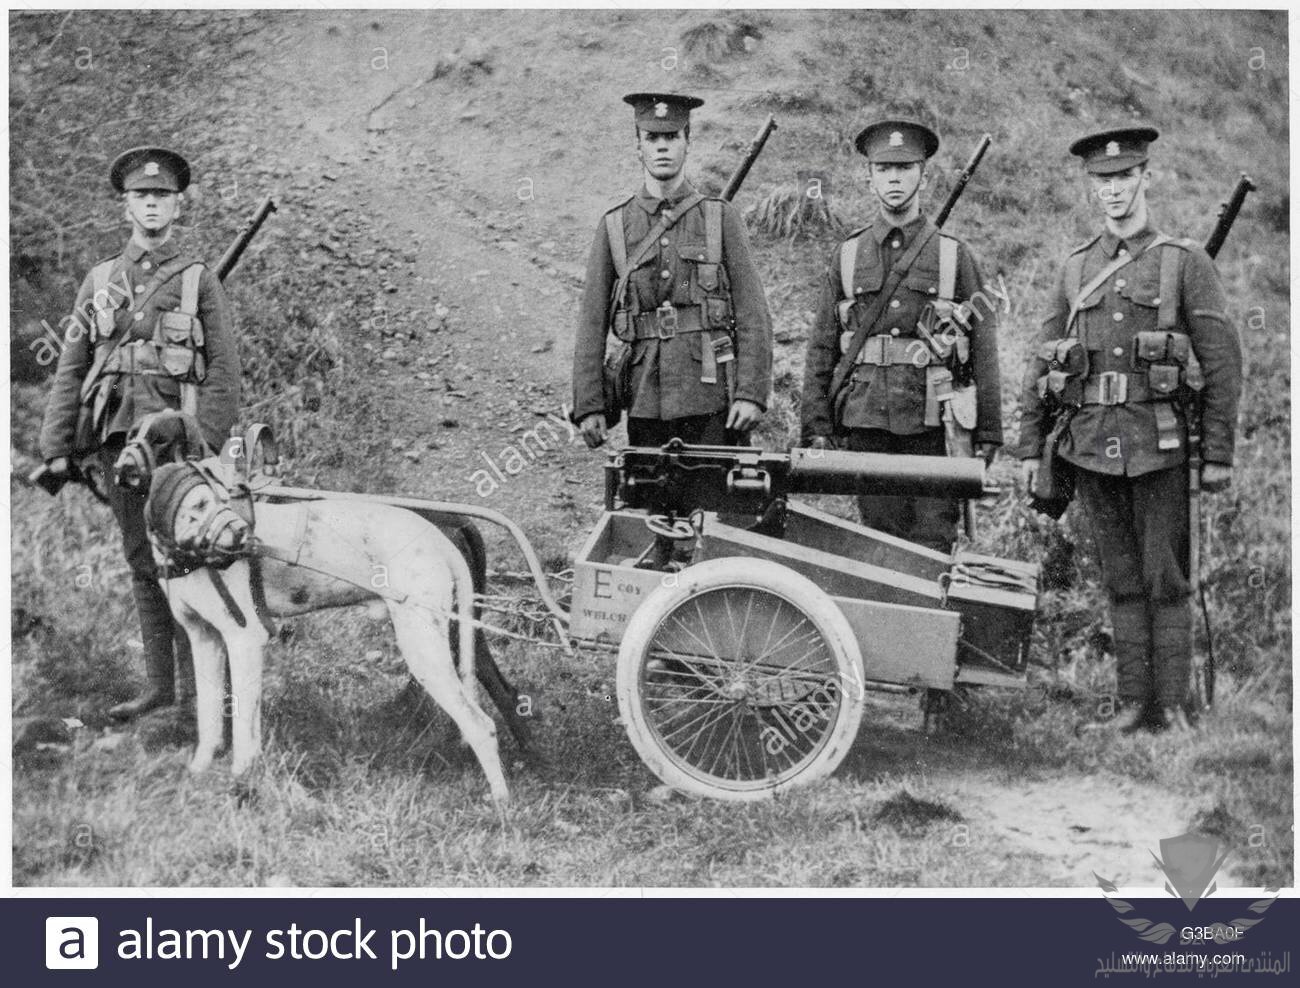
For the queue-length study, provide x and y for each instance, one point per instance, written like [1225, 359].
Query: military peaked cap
[1112, 151]
[149, 168]
[897, 141]
[662, 113]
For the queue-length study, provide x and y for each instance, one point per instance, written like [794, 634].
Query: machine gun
[677, 479]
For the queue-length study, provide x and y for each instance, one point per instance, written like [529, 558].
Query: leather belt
[668, 321]
[1119, 388]
[884, 351]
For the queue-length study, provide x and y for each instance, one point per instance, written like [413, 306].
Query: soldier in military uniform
[1131, 308]
[891, 401]
[671, 276]
[149, 331]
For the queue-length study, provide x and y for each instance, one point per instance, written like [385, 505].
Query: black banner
[633, 942]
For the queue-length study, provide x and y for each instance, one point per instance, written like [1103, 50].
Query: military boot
[1171, 653]
[1132, 647]
[156, 631]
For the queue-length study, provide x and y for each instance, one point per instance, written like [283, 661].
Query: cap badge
[896, 140]
[151, 168]
[661, 110]
[1112, 149]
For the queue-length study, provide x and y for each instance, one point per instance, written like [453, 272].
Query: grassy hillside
[467, 109]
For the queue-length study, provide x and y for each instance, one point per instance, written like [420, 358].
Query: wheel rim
[740, 687]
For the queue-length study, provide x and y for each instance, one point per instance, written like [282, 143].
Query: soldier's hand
[59, 466]
[986, 452]
[1029, 471]
[744, 415]
[592, 428]
[1215, 477]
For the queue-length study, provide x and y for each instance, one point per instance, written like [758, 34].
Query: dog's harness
[231, 514]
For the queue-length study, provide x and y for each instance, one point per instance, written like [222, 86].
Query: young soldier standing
[149, 331]
[671, 276]
[1132, 306]
[891, 400]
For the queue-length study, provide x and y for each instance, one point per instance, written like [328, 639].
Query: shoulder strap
[99, 285]
[1074, 268]
[848, 264]
[99, 282]
[712, 230]
[190, 289]
[1171, 271]
[1102, 276]
[165, 273]
[947, 268]
[617, 240]
[667, 220]
[887, 290]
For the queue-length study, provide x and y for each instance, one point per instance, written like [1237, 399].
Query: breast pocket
[923, 281]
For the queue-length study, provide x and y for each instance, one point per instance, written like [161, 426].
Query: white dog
[303, 557]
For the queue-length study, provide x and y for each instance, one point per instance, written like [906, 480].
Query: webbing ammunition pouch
[1065, 364]
[943, 318]
[1166, 357]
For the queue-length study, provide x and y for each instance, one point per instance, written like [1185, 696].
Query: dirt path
[439, 170]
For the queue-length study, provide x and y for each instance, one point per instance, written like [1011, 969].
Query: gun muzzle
[828, 471]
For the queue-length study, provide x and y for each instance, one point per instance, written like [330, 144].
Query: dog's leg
[209, 675]
[424, 644]
[246, 651]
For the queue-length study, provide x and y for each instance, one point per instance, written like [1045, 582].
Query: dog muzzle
[221, 536]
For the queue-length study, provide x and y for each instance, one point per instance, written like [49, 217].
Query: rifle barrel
[1228, 214]
[245, 236]
[742, 170]
[964, 178]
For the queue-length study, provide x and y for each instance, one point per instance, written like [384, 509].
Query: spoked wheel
[739, 680]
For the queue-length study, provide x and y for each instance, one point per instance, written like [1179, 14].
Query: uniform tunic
[666, 373]
[883, 407]
[1109, 320]
[892, 398]
[135, 396]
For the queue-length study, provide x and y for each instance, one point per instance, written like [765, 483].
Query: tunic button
[1156, 300]
[1120, 283]
[933, 290]
[664, 242]
[1118, 317]
[139, 316]
[894, 331]
[1118, 351]
[893, 303]
[139, 289]
[895, 244]
[1124, 251]
[665, 273]
[146, 265]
